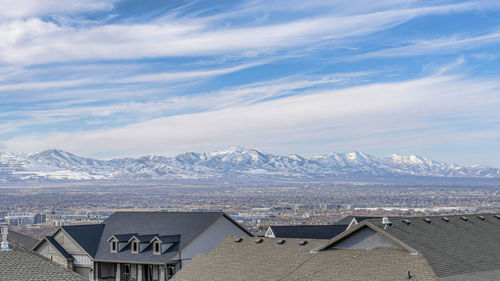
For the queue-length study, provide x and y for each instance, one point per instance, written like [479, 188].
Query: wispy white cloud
[367, 116]
[155, 77]
[35, 41]
[52, 112]
[432, 47]
[35, 8]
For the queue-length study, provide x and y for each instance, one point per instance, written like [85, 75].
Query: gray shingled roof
[87, 236]
[347, 220]
[186, 224]
[454, 247]
[22, 264]
[22, 240]
[269, 261]
[307, 231]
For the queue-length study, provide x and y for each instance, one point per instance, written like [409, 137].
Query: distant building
[24, 219]
[141, 246]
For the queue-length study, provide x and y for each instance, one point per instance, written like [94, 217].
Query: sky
[115, 78]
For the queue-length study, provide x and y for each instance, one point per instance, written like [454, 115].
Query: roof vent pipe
[5, 244]
[386, 222]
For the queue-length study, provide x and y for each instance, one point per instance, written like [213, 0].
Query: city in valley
[256, 206]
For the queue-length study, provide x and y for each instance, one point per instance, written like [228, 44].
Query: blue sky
[110, 78]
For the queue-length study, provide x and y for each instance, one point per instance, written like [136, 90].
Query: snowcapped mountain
[232, 164]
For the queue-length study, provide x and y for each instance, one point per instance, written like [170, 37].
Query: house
[451, 248]
[138, 246]
[305, 231]
[17, 263]
[314, 231]
[73, 247]
[461, 247]
[266, 259]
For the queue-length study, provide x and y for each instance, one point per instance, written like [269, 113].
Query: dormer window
[157, 248]
[135, 247]
[113, 245]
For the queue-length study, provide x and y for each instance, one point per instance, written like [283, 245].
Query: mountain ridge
[233, 164]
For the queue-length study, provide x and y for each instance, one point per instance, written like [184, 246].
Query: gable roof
[451, 247]
[183, 227]
[87, 236]
[21, 264]
[307, 231]
[26, 241]
[58, 247]
[268, 260]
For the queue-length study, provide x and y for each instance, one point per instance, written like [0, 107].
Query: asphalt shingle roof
[21, 239]
[186, 224]
[347, 220]
[307, 231]
[21, 264]
[454, 247]
[269, 261]
[87, 236]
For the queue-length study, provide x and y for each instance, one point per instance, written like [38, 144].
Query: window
[157, 248]
[170, 271]
[135, 247]
[113, 246]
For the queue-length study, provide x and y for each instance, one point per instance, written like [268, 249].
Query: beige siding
[65, 241]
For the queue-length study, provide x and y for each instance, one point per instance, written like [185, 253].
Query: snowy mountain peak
[234, 163]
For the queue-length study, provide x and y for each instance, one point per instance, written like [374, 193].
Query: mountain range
[232, 164]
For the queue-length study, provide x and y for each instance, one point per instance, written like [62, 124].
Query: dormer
[113, 245]
[162, 243]
[139, 243]
[118, 242]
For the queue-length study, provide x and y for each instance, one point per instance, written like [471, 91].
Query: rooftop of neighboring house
[174, 230]
[305, 231]
[26, 241]
[348, 219]
[460, 247]
[314, 231]
[21, 264]
[264, 259]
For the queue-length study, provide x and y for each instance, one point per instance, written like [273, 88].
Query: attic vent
[281, 241]
[427, 220]
[497, 216]
[464, 218]
[259, 240]
[446, 219]
[302, 242]
[480, 217]
[407, 222]
[238, 240]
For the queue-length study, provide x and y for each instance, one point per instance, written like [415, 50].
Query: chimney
[5, 244]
